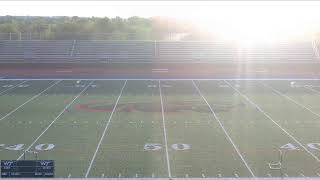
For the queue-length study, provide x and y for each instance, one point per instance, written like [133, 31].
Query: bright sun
[246, 22]
[260, 22]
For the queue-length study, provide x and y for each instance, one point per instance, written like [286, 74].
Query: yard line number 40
[292, 147]
[20, 147]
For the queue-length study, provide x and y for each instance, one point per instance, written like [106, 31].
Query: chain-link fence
[75, 36]
[91, 36]
[20, 36]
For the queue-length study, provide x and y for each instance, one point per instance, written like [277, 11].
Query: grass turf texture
[247, 123]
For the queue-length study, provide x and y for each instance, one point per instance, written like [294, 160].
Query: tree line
[92, 27]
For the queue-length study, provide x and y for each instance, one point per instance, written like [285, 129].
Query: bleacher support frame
[83, 51]
[315, 46]
[72, 49]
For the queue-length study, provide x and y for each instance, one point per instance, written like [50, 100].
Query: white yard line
[59, 115]
[30, 99]
[269, 117]
[165, 133]
[224, 130]
[1, 93]
[168, 79]
[104, 132]
[182, 178]
[313, 90]
[290, 99]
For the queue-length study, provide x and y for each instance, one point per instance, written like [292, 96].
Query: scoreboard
[27, 168]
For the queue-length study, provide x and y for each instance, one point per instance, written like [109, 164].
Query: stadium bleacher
[29, 51]
[51, 51]
[196, 52]
[282, 52]
[114, 51]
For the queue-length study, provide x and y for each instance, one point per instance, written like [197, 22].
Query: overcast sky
[98, 8]
[180, 9]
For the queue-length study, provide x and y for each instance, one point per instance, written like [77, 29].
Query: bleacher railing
[149, 51]
[75, 36]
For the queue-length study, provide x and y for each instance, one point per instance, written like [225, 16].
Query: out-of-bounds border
[257, 178]
[165, 79]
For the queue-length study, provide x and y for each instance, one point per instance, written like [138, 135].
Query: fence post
[155, 49]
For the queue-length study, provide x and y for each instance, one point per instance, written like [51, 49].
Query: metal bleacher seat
[301, 52]
[34, 50]
[114, 51]
[195, 52]
[87, 51]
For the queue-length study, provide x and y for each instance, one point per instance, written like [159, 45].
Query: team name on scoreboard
[27, 168]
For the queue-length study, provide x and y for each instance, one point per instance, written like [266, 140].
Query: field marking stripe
[224, 130]
[165, 132]
[311, 89]
[289, 98]
[30, 99]
[167, 79]
[59, 115]
[104, 132]
[269, 117]
[1, 93]
[180, 178]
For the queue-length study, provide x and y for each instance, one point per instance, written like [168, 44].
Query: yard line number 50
[157, 146]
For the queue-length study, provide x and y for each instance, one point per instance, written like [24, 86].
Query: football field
[164, 128]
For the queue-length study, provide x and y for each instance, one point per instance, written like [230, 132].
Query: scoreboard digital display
[27, 168]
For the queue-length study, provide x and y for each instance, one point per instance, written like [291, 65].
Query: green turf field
[167, 128]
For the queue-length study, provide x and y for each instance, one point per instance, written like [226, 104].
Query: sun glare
[263, 22]
[245, 22]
